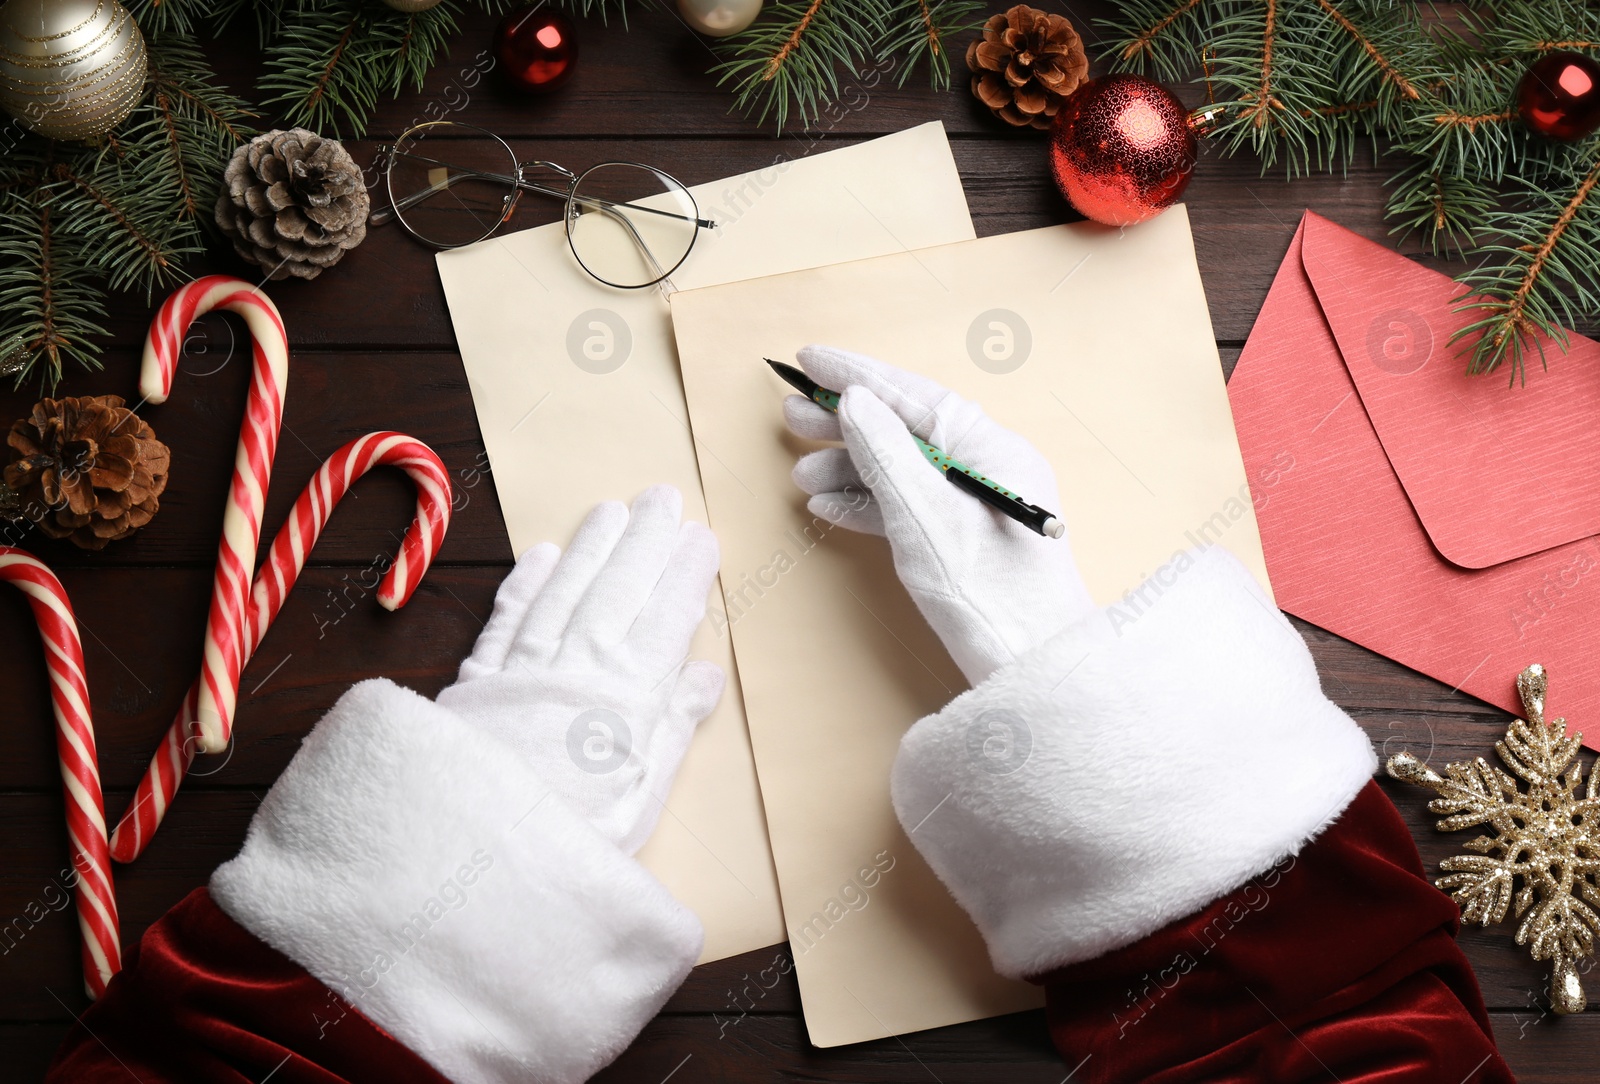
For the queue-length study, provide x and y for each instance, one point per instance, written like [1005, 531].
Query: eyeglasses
[451, 184]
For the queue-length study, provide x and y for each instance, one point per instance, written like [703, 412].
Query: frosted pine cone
[293, 203]
[1026, 64]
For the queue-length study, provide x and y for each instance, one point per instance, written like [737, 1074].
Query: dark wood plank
[332, 400]
[650, 76]
[650, 79]
[373, 348]
[142, 635]
[39, 968]
[288, 702]
[329, 635]
[26, 1049]
[386, 294]
[1011, 1048]
[1551, 1051]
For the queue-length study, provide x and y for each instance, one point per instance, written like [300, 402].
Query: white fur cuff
[1139, 765]
[425, 873]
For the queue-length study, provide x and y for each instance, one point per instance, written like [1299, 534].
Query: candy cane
[252, 470]
[284, 561]
[80, 772]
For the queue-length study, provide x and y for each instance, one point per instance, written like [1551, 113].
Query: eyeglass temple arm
[655, 265]
[385, 214]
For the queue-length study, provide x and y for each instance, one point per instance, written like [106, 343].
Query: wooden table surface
[373, 349]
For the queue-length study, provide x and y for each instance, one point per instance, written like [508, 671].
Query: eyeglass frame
[397, 206]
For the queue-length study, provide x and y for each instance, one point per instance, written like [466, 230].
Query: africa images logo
[999, 341]
[599, 341]
[1399, 341]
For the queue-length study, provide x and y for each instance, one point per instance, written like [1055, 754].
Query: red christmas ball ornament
[1122, 149]
[535, 49]
[1559, 97]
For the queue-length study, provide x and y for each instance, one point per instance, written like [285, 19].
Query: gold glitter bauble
[70, 69]
[1547, 836]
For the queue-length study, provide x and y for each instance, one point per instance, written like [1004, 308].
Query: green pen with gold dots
[957, 473]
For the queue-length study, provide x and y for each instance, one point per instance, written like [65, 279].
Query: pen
[957, 473]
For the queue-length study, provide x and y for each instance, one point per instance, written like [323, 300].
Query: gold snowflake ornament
[1545, 836]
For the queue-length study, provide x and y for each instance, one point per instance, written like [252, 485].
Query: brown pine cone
[86, 469]
[1026, 64]
[294, 203]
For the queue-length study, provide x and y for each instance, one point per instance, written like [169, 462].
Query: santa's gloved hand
[583, 667]
[991, 588]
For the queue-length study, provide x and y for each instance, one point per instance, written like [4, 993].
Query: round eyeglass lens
[451, 184]
[630, 225]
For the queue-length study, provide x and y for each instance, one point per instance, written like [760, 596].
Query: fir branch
[1550, 253]
[792, 41]
[1564, 46]
[917, 30]
[1300, 81]
[175, 151]
[1449, 210]
[1346, 108]
[190, 122]
[227, 118]
[75, 221]
[136, 235]
[1263, 99]
[586, 8]
[119, 212]
[1533, 28]
[309, 82]
[175, 18]
[1160, 37]
[320, 88]
[1269, 95]
[1390, 73]
[1142, 42]
[788, 61]
[1292, 80]
[328, 63]
[1451, 118]
[50, 309]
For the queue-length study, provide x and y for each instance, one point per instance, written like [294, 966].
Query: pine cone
[86, 469]
[1026, 64]
[294, 203]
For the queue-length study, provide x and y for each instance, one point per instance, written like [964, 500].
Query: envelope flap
[1494, 473]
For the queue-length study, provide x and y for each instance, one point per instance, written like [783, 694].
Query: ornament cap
[1566, 992]
[1531, 685]
[1408, 769]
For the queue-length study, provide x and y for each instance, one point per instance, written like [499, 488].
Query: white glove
[583, 666]
[991, 588]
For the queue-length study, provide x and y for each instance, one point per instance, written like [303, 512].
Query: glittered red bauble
[1121, 149]
[1560, 96]
[535, 49]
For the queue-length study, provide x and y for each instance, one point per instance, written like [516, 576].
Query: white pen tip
[1054, 527]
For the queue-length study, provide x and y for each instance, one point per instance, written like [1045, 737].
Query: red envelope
[1442, 520]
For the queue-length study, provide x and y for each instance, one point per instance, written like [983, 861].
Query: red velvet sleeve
[200, 999]
[1340, 963]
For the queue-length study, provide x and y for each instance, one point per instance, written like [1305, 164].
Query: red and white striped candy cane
[252, 470]
[80, 771]
[284, 561]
